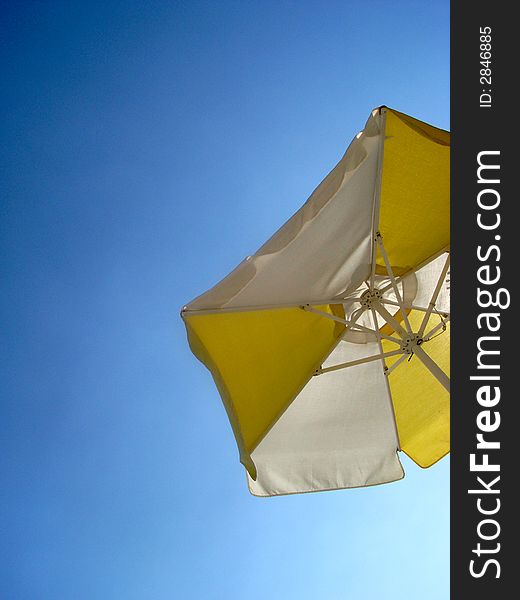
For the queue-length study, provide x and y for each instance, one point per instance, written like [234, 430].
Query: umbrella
[330, 345]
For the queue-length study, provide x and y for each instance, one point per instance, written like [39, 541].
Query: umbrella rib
[399, 278]
[410, 306]
[391, 320]
[377, 194]
[435, 295]
[433, 367]
[390, 285]
[360, 361]
[352, 325]
[392, 279]
[346, 322]
[396, 364]
[239, 309]
[385, 371]
[441, 325]
[390, 338]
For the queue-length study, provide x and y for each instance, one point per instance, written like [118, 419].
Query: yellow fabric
[421, 403]
[414, 218]
[415, 226]
[260, 361]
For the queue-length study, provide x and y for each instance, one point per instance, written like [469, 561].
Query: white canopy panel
[318, 254]
[338, 433]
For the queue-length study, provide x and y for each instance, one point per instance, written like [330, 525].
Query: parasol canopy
[330, 345]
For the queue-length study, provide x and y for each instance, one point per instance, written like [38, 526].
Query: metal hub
[369, 297]
[410, 342]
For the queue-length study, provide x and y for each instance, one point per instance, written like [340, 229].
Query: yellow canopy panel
[414, 218]
[421, 403]
[260, 360]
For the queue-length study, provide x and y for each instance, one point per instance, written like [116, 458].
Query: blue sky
[147, 148]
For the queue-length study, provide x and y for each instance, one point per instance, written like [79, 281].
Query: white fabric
[338, 433]
[318, 254]
[427, 278]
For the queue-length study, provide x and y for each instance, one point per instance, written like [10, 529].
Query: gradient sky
[147, 148]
